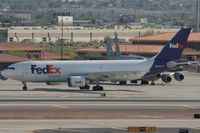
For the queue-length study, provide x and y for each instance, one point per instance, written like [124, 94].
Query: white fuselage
[60, 71]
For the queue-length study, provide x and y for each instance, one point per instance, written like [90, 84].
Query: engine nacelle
[76, 81]
[166, 78]
[179, 76]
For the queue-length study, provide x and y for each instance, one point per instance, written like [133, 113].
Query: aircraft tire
[82, 88]
[122, 82]
[25, 88]
[100, 88]
[97, 88]
[153, 83]
[134, 81]
[87, 87]
[144, 82]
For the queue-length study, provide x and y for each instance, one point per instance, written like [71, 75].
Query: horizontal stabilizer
[173, 64]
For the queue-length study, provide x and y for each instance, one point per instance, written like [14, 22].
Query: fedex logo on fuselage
[178, 45]
[49, 69]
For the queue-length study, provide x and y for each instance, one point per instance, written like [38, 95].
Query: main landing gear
[153, 83]
[25, 88]
[122, 82]
[97, 87]
[144, 82]
[86, 87]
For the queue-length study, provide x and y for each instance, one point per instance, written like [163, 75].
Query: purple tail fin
[174, 49]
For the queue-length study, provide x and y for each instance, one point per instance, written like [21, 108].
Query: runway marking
[60, 106]
[196, 128]
[121, 104]
[190, 106]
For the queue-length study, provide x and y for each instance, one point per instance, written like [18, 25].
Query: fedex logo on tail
[178, 45]
[49, 69]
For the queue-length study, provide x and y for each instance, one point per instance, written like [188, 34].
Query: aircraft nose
[4, 73]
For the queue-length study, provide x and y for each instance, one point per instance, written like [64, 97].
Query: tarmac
[46, 108]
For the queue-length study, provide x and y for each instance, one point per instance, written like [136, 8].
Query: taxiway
[49, 107]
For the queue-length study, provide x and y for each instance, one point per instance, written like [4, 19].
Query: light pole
[62, 33]
[197, 16]
[62, 41]
[60, 16]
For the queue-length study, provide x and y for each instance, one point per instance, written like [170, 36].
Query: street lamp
[61, 16]
[62, 41]
[197, 16]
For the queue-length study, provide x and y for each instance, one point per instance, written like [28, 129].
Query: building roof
[20, 47]
[126, 49]
[193, 38]
[31, 48]
[5, 58]
[136, 49]
[139, 48]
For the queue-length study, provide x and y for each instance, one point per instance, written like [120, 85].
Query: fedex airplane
[78, 73]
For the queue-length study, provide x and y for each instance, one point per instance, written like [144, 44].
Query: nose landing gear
[25, 88]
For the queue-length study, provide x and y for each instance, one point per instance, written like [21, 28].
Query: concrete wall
[18, 34]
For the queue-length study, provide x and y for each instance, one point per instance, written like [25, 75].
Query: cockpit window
[10, 68]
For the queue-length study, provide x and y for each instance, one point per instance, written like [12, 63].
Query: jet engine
[76, 81]
[179, 76]
[166, 78]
